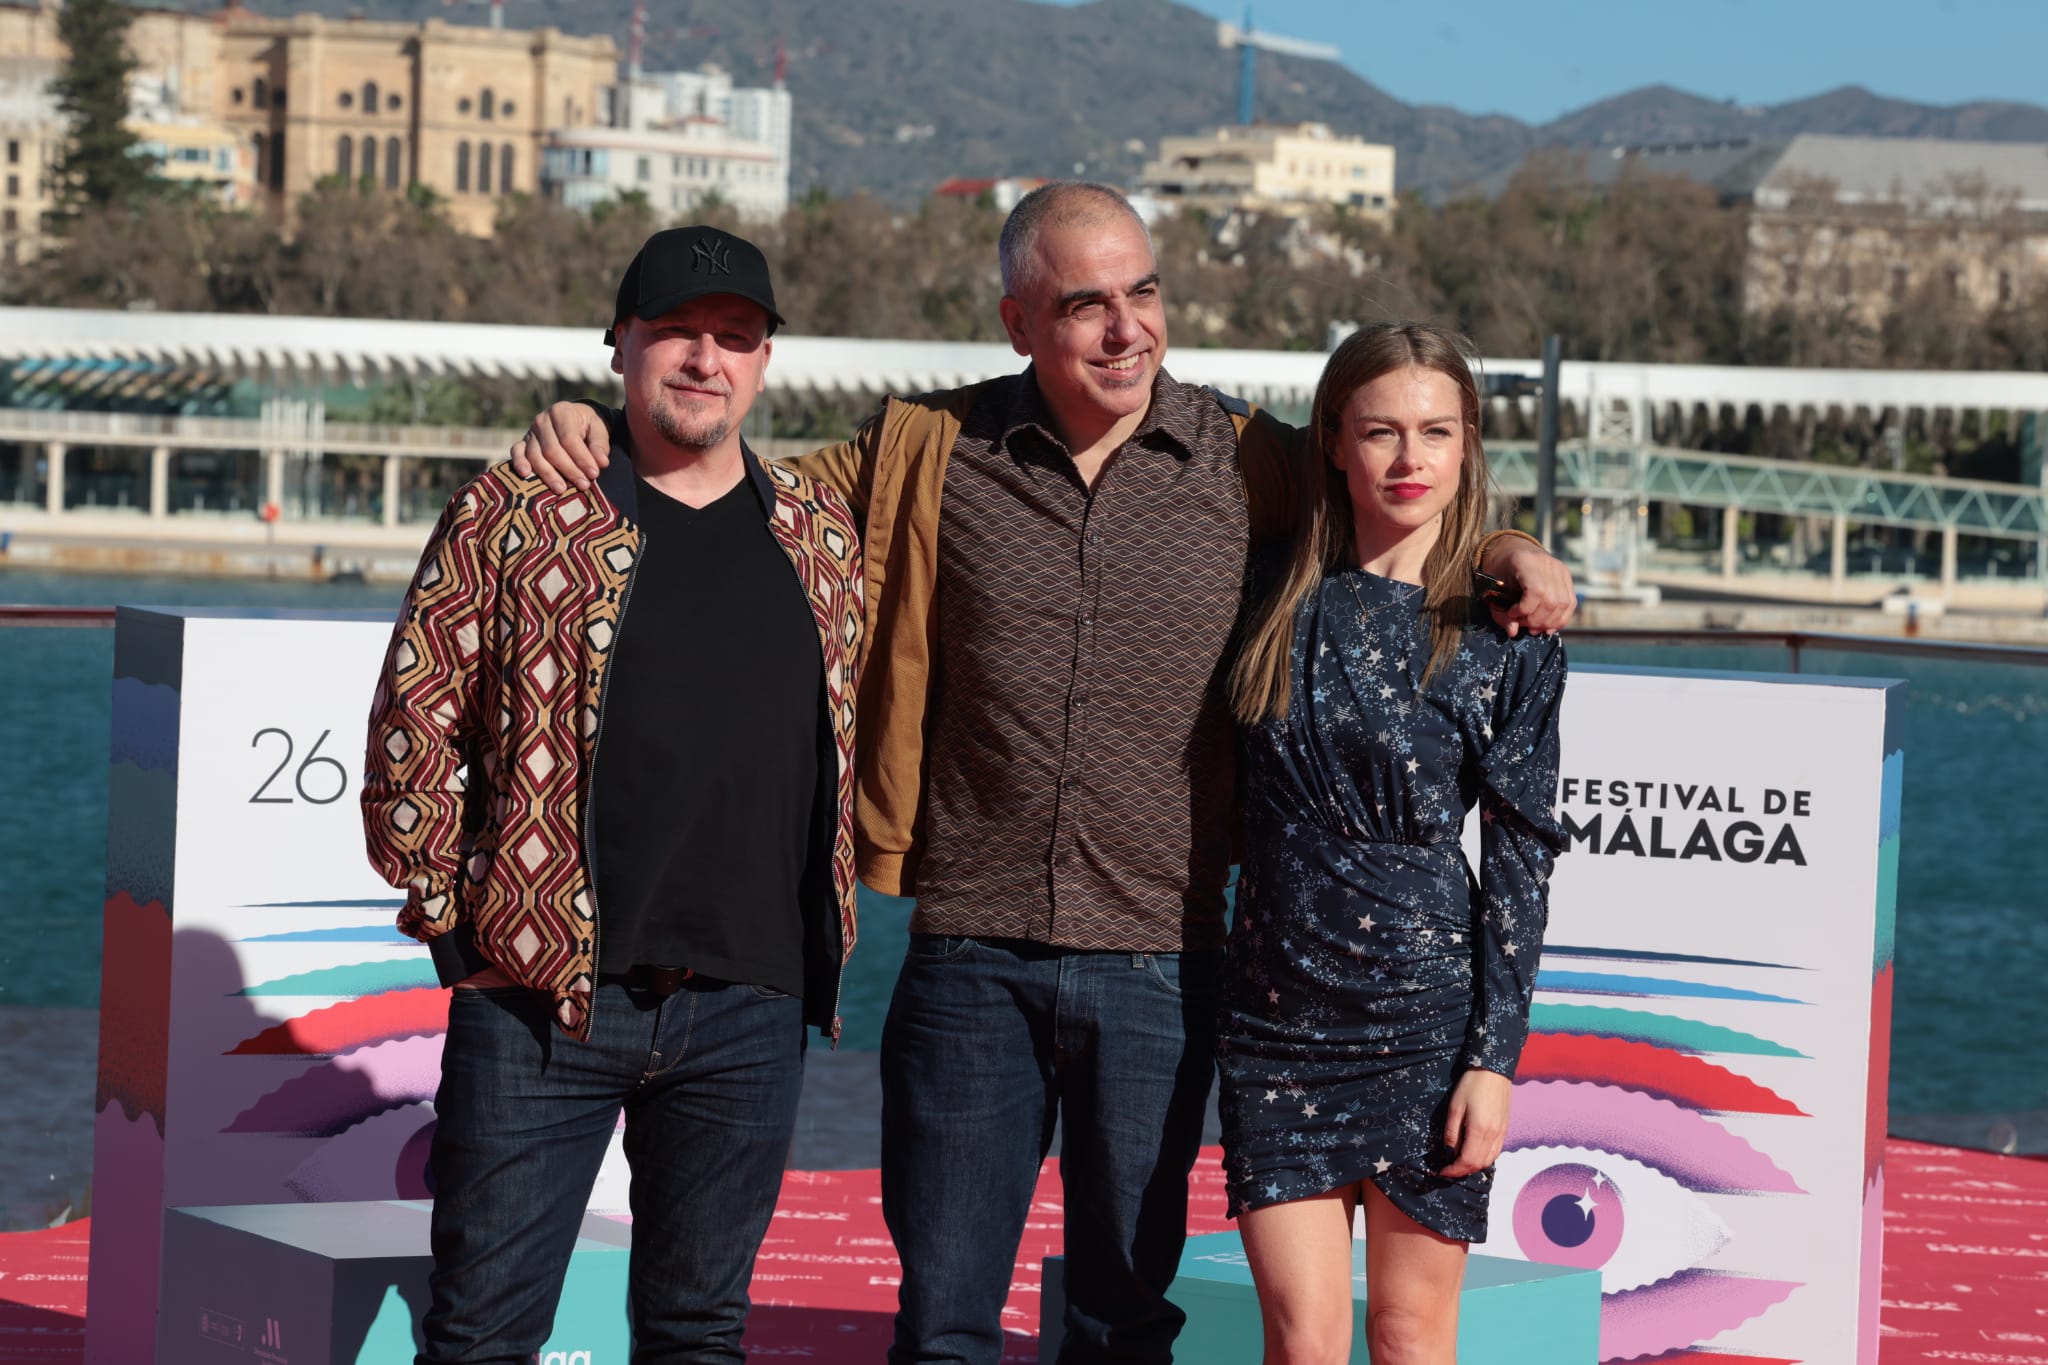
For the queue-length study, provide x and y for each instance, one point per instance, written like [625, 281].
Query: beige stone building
[1858, 227]
[1861, 225]
[460, 111]
[1274, 169]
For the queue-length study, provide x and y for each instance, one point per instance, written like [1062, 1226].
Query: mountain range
[894, 96]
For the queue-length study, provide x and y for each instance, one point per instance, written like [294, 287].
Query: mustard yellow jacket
[892, 474]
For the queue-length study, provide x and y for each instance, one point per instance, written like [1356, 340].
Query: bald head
[1061, 204]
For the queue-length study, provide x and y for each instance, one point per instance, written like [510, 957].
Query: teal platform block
[346, 1284]
[1511, 1312]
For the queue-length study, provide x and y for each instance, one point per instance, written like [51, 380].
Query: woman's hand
[566, 444]
[1547, 599]
[1478, 1122]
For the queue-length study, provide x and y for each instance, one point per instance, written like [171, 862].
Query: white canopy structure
[295, 350]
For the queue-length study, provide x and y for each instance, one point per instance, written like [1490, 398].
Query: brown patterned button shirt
[1082, 753]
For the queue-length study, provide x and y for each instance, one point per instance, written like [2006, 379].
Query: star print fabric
[1368, 967]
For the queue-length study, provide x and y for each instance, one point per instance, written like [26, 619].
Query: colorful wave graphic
[1649, 987]
[349, 1024]
[411, 972]
[1662, 1030]
[333, 1096]
[135, 1007]
[1682, 1078]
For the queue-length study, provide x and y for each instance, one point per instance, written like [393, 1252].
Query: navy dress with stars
[1368, 968]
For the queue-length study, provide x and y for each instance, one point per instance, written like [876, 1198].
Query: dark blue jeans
[988, 1043]
[708, 1079]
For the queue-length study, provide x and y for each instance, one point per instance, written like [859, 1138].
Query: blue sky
[1536, 59]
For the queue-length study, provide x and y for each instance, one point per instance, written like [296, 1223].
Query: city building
[185, 148]
[31, 138]
[1269, 168]
[1859, 225]
[679, 138]
[755, 115]
[463, 112]
[1865, 224]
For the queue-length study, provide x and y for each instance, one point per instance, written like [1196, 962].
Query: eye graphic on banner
[1576, 1206]
[1613, 1156]
[1586, 1164]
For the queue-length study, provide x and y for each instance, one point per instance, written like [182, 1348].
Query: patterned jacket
[498, 666]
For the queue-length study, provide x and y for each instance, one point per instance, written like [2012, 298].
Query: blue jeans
[708, 1078]
[987, 1044]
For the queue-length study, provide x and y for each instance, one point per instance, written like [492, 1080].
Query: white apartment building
[679, 137]
[32, 137]
[1276, 169]
[34, 134]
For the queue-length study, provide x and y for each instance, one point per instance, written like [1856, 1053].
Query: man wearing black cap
[643, 890]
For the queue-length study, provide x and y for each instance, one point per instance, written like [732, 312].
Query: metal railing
[1794, 642]
[1797, 642]
[56, 616]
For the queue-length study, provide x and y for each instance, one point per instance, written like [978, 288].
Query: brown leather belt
[657, 981]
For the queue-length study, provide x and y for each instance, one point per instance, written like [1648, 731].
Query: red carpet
[1965, 1257]
[1965, 1274]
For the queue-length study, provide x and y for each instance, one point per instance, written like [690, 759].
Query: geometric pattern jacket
[488, 711]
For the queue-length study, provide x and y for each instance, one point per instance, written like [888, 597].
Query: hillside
[892, 96]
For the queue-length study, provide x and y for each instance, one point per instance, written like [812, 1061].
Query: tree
[100, 165]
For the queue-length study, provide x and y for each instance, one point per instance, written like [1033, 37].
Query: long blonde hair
[1262, 674]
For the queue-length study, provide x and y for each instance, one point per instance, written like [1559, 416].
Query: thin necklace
[1363, 610]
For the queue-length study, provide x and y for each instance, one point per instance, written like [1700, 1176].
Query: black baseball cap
[676, 265]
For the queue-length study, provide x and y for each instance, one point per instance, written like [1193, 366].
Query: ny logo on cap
[715, 257]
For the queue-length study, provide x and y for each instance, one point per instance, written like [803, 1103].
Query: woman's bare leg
[1300, 1254]
[1412, 1278]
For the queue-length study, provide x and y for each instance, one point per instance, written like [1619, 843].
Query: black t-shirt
[707, 768]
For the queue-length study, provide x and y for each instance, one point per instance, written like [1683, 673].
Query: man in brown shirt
[1045, 761]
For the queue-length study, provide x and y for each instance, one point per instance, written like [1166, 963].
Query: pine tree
[100, 165]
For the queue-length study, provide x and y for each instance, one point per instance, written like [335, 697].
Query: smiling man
[1054, 566]
[644, 889]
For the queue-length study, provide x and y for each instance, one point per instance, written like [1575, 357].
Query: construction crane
[637, 34]
[1249, 42]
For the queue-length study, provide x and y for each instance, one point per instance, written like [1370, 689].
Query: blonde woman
[1378, 992]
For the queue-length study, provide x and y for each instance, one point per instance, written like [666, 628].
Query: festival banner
[266, 1034]
[1700, 1111]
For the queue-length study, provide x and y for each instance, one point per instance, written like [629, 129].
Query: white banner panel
[267, 1035]
[1700, 1113]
